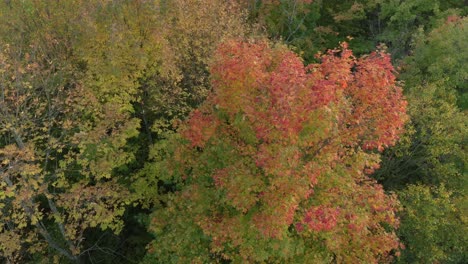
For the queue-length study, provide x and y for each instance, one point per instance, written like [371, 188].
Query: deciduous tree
[69, 78]
[428, 166]
[273, 166]
[189, 31]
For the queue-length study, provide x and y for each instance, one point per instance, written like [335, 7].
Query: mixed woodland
[243, 131]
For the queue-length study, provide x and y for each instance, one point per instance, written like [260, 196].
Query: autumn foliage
[274, 165]
[214, 131]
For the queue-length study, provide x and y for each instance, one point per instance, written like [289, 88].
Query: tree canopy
[248, 131]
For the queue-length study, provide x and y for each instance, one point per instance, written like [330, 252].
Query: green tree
[313, 26]
[393, 22]
[431, 157]
[439, 57]
[433, 225]
[403, 19]
[292, 22]
[432, 151]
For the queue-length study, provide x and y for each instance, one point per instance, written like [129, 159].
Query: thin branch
[40, 226]
[30, 211]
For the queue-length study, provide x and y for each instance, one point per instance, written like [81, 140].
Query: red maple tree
[277, 159]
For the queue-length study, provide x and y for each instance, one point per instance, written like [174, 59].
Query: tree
[273, 166]
[432, 151]
[66, 118]
[292, 22]
[433, 225]
[86, 87]
[437, 57]
[189, 31]
[393, 22]
[312, 26]
[428, 166]
[403, 19]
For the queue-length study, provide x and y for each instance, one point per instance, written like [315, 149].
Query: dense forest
[243, 131]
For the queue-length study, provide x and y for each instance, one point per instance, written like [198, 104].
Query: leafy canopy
[273, 166]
